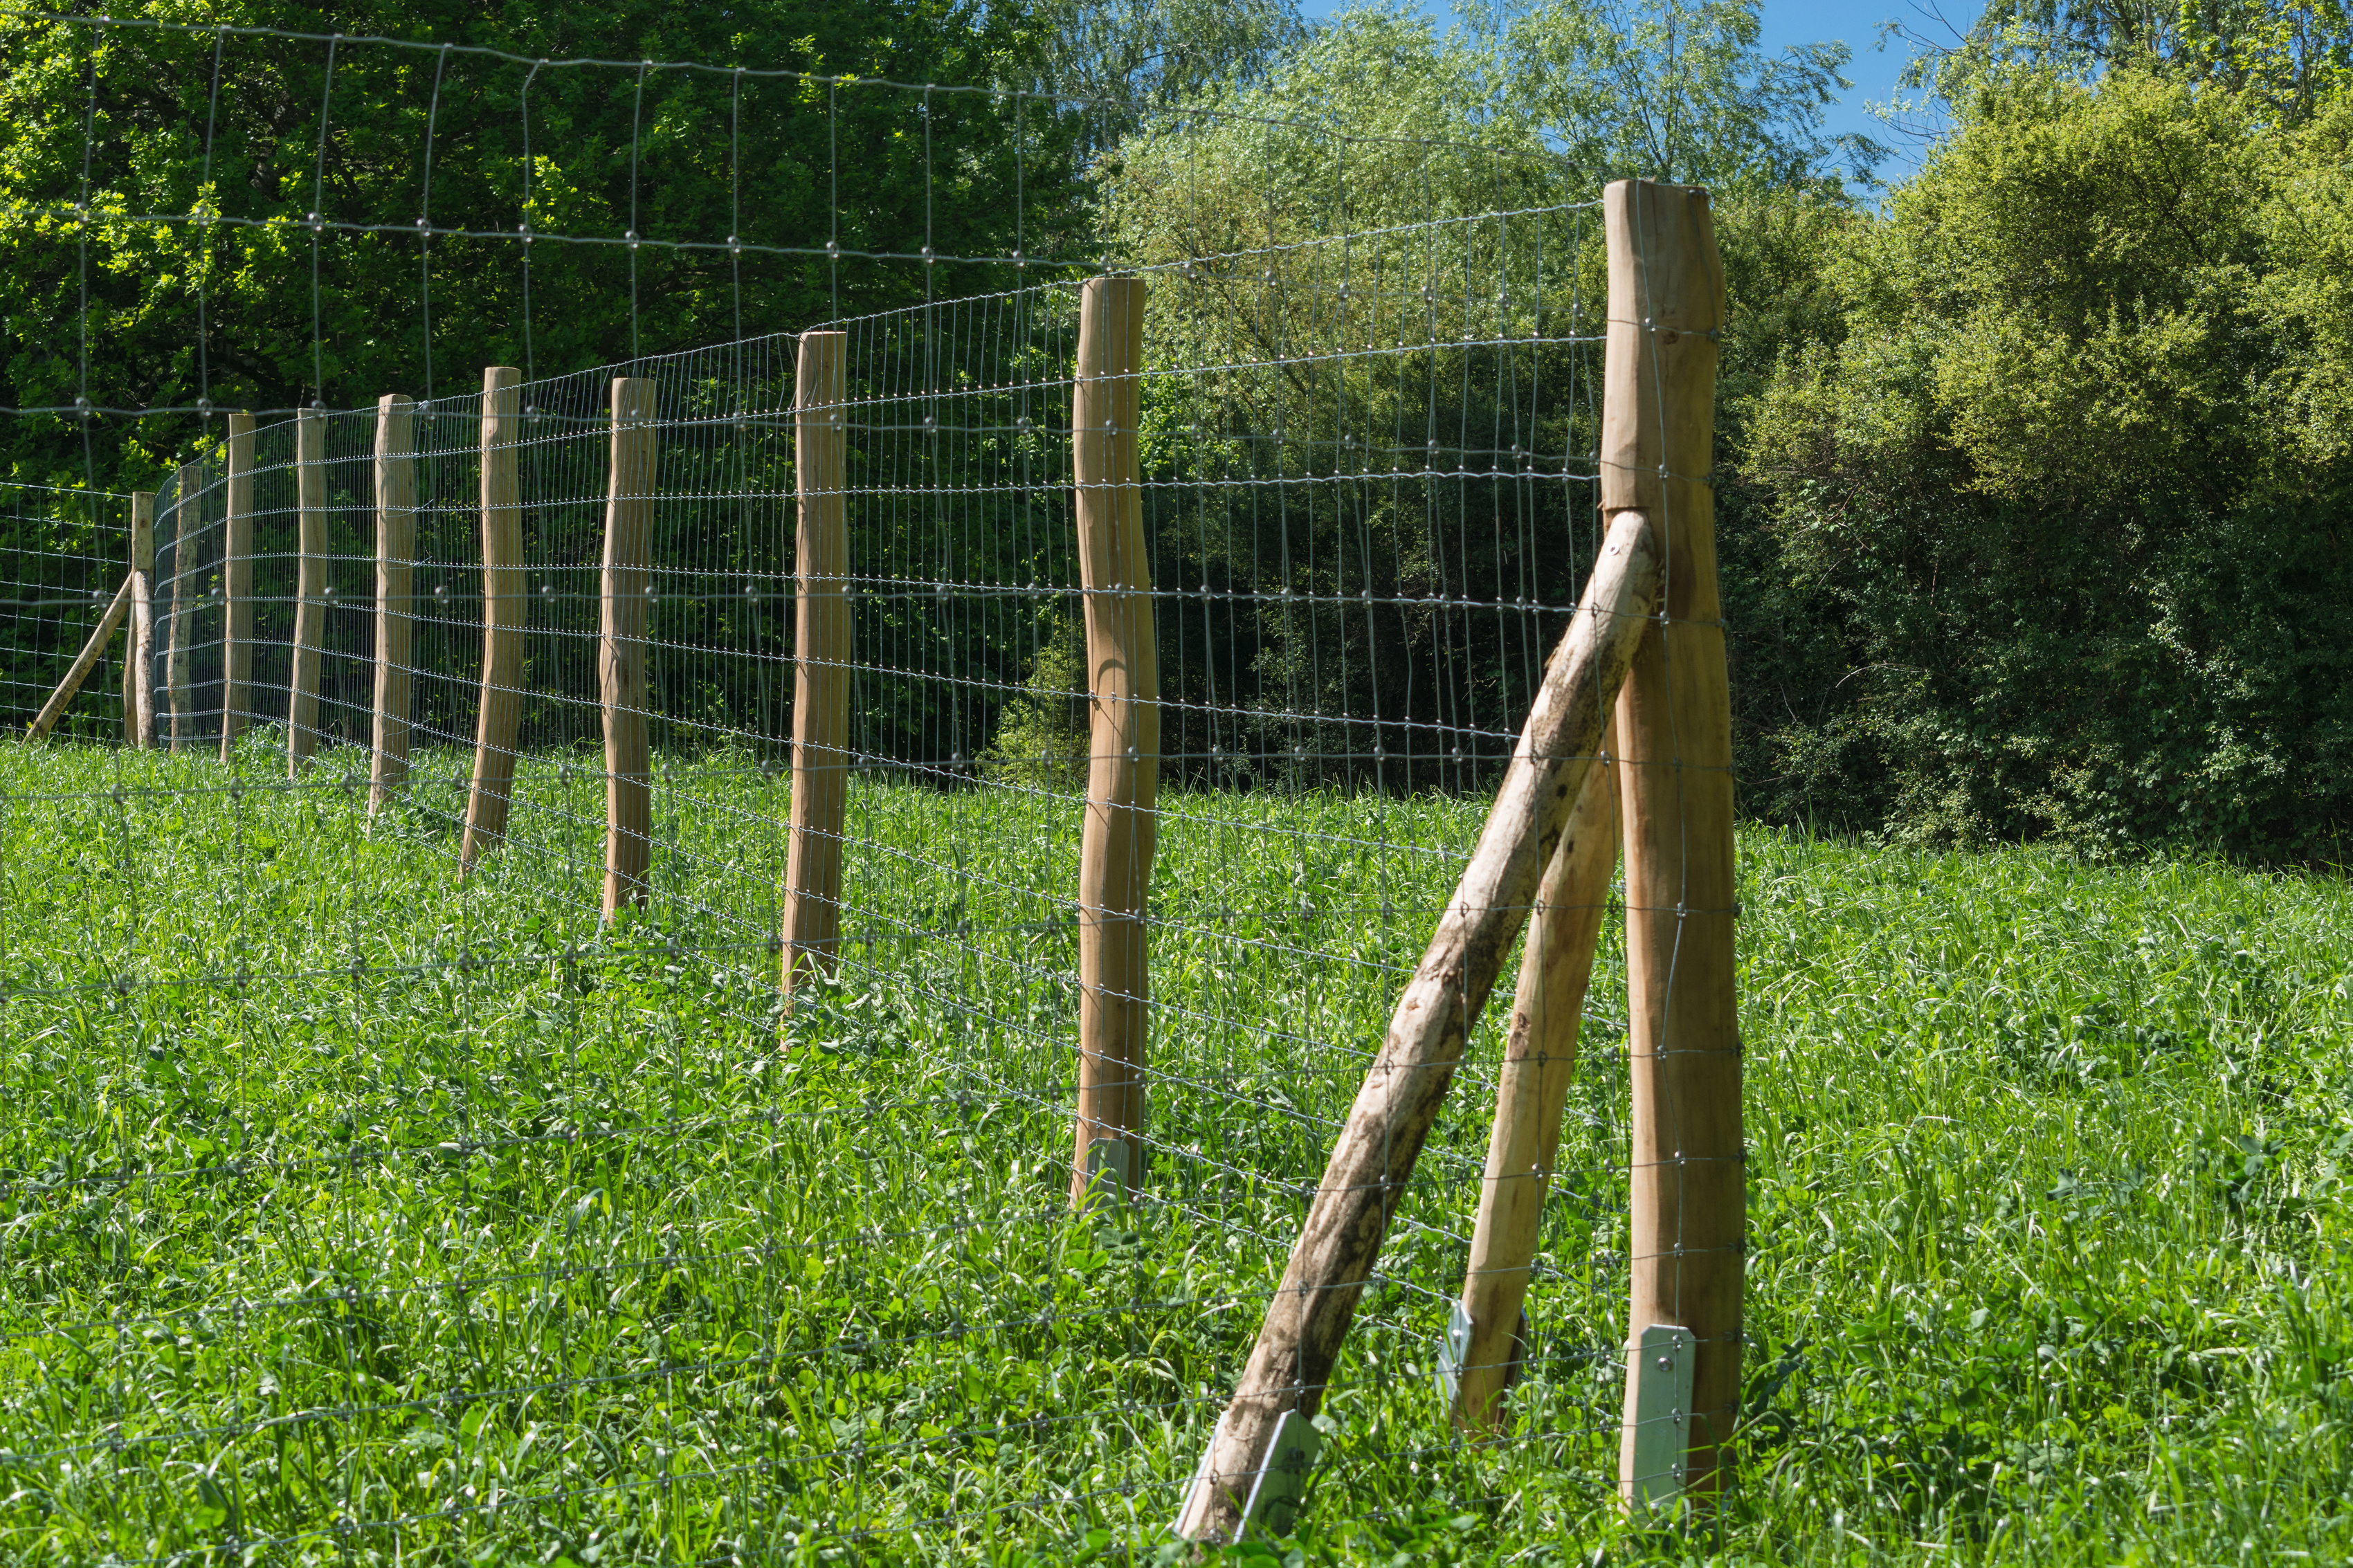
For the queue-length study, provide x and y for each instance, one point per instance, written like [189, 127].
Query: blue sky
[1855, 23]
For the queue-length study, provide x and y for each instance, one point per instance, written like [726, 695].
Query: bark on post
[1539, 1059]
[309, 589]
[1688, 1197]
[621, 649]
[185, 516]
[55, 707]
[138, 663]
[504, 601]
[236, 583]
[1308, 1317]
[395, 567]
[1123, 728]
[821, 652]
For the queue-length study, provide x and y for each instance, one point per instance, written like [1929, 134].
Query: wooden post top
[633, 399]
[142, 531]
[1111, 327]
[1663, 259]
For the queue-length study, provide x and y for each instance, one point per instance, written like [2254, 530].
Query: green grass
[352, 1212]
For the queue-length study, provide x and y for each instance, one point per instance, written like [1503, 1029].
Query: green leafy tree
[2068, 481]
[219, 216]
[1669, 89]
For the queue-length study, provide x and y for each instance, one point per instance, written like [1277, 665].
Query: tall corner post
[395, 576]
[499, 714]
[1689, 1190]
[139, 665]
[309, 589]
[622, 617]
[236, 583]
[1118, 836]
[811, 933]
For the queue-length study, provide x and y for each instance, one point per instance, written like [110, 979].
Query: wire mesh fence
[62, 554]
[386, 1186]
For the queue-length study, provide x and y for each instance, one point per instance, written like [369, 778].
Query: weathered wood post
[309, 589]
[1689, 1198]
[621, 648]
[505, 600]
[185, 518]
[1119, 833]
[138, 663]
[237, 582]
[821, 653]
[1532, 1086]
[1307, 1320]
[396, 570]
[83, 663]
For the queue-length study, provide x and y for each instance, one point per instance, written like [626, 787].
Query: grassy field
[353, 1212]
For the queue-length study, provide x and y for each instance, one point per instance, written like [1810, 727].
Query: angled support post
[1307, 1320]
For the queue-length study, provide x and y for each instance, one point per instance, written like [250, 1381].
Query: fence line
[1239, 586]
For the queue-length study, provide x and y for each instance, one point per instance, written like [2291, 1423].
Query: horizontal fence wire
[63, 554]
[393, 1203]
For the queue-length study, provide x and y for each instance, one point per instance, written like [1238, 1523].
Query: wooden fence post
[1123, 736]
[1689, 1198]
[309, 589]
[175, 640]
[1308, 1318]
[821, 654]
[236, 583]
[83, 663]
[396, 570]
[139, 661]
[504, 604]
[1530, 1088]
[621, 648]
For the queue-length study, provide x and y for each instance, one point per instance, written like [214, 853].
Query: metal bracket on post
[1281, 1484]
[1455, 1348]
[1663, 1391]
[1107, 1173]
[1453, 1351]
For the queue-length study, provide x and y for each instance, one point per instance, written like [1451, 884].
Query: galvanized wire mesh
[375, 1208]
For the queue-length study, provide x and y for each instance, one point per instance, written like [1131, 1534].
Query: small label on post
[1663, 1389]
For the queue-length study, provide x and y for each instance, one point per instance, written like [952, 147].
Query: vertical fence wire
[445, 1168]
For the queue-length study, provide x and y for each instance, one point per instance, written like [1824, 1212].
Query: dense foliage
[2031, 482]
[251, 304]
[2047, 500]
